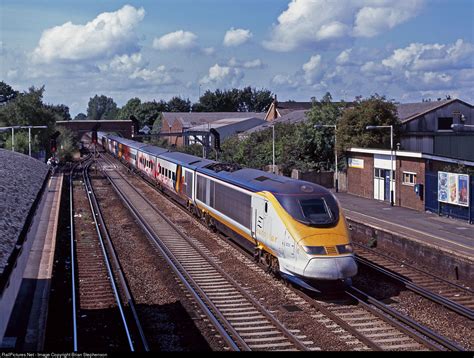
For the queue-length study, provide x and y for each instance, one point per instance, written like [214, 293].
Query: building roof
[407, 154]
[408, 111]
[223, 122]
[285, 108]
[291, 117]
[21, 180]
[191, 119]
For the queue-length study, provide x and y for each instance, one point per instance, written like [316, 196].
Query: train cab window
[266, 207]
[313, 210]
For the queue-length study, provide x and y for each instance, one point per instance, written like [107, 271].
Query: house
[426, 128]
[280, 109]
[178, 122]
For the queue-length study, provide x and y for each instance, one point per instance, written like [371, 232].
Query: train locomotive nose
[331, 268]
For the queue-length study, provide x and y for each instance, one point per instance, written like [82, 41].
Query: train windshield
[316, 210]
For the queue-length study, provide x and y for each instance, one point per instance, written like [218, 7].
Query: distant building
[280, 109]
[179, 122]
[225, 127]
[426, 128]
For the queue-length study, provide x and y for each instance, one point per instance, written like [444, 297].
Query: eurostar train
[294, 227]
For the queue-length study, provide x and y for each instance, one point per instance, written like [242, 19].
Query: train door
[259, 216]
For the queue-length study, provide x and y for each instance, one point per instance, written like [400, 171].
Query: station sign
[356, 163]
[453, 188]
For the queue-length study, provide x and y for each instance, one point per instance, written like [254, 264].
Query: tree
[373, 111]
[26, 109]
[7, 93]
[80, 117]
[60, 112]
[234, 100]
[177, 104]
[131, 108]
[101, 108]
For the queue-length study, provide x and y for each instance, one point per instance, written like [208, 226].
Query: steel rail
[282, 329]
[177, 270]
[462, 310]
[389, 258]
[114, 258]
[88, 188]
[368, 300]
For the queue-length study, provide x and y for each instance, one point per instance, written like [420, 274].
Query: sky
[405, 50]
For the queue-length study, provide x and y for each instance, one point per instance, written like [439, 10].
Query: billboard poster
[356, 163]
[443, 187]
[463, 189]
[453, 188]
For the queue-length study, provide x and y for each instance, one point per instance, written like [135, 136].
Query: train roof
[153, 150]
[258, 180]
[128, 142]
[186, 160]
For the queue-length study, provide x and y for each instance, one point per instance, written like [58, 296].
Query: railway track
[370, 322]
[101, 321]
[240, 319]
[450, 295]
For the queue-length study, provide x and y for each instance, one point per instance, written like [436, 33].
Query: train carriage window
[174, 176]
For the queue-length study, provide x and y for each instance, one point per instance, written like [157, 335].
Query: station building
[418, 180]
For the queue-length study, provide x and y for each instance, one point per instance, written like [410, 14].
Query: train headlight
[314, 250]
[345, 249]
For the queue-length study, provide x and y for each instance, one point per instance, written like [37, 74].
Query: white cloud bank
[109, 34]
[307, 22]
[223, 75]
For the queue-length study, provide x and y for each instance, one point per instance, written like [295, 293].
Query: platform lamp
[391, 157]
[273, 143]
[335, 149]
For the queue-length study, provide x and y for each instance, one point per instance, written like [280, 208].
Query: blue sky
[407, 50]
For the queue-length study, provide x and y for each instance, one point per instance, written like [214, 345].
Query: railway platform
[442, 244]
[27, 324]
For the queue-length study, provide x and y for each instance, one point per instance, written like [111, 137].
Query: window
[444, 123]
[409, 178]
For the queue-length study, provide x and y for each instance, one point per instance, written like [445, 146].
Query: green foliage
[373, 111]
[101, 108]
[67, 144]
[80, 117]
[178, 104]
[7, 93]
[28, 109]
[234, 100]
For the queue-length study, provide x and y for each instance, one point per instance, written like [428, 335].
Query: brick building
[368, 175]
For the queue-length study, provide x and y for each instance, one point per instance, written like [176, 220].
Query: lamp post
[391, 157]
[335, 149]
[273, 144]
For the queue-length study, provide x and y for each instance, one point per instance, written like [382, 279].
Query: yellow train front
[297, 227]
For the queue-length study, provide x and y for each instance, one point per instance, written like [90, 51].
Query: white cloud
[178, 40]
[251, 64]
[313, 70]
[123, 63]
[158, 75]
[344, 57]
[209, 51]
[307, 22]
[283, 81]
[223, 75]
[109, 34]
[431, 57]
[236, 37]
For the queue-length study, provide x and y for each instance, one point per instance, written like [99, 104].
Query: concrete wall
[439, 262]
